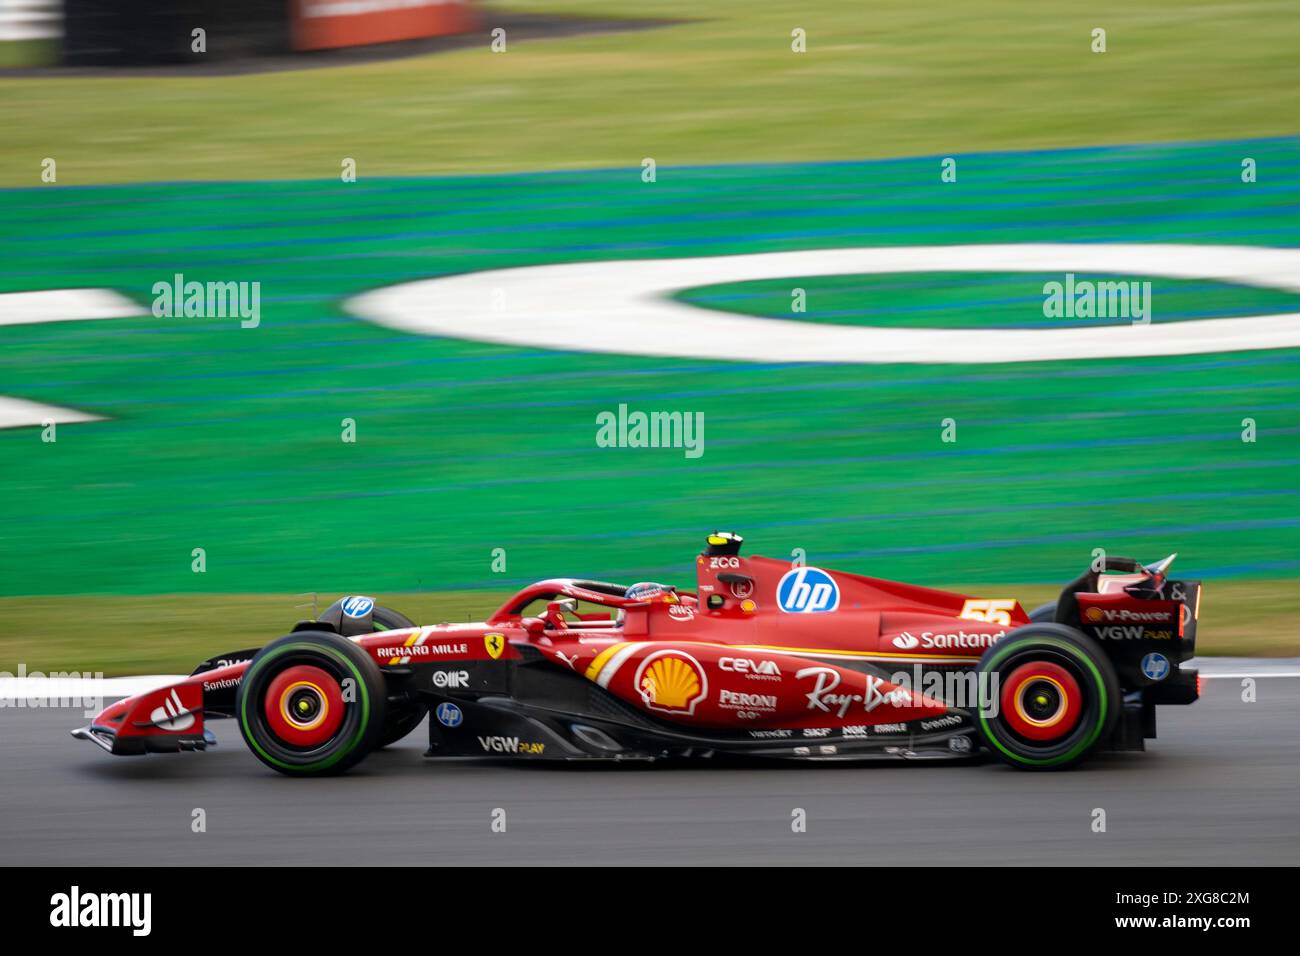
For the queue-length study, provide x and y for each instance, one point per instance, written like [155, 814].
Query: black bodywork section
[534, 708]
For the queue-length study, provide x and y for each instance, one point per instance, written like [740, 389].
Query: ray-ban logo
[208, 300]
[75, 908]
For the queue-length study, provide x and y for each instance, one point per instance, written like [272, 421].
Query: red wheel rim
[304, 706]
[1041, 701]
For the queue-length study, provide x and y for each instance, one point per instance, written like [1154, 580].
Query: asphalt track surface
[1218, 787]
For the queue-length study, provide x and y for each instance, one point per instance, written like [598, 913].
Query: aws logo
[807, 591]
[671, 681]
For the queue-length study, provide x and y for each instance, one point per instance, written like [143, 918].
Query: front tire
[311, 703]
[1057, 697]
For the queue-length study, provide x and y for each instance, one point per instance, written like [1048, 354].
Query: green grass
[879, 79]
[23, 53]
[966, 300]
[228, 439]
[169, 634]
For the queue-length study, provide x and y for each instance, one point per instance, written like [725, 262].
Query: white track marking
[622, 307]
[20, 413]
[64, 305]
[55, 305]
[48, 691]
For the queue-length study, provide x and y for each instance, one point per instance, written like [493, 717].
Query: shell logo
[671, 681]
[1094, 614]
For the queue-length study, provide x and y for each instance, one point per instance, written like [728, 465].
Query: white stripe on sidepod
[614, 663]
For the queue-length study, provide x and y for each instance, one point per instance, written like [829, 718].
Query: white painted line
[622, 307]
[64, 305]
[20, 413]
[80, 688]
[1238, 667]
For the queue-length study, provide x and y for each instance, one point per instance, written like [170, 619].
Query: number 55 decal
[993, 612]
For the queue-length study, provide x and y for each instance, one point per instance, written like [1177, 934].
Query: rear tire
[1057, 697]
[1043, 614]
[311, 703]
[386, 619]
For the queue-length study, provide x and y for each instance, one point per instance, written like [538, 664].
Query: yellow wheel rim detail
[292, 718]
[1060, 710]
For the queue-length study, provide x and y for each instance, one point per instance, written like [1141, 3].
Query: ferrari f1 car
[763, 659]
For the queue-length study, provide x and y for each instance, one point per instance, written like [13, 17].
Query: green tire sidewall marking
[1079, 748]
[333, 758]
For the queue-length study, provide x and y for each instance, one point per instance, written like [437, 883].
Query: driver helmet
[652, 591]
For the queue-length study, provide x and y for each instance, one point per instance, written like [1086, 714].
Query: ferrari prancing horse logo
[495, 644]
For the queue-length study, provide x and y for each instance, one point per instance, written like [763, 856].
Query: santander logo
[958, 640]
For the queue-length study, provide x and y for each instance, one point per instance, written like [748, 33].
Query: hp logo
[807, 591]
[449, 715]
[1155, 666]
[358, 606]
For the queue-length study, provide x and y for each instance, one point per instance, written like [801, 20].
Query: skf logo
[807, 591]
[495, 644]
[671, 681]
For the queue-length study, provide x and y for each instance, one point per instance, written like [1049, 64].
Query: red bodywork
[759, 645]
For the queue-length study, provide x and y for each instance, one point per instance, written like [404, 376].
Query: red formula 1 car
[763, 660]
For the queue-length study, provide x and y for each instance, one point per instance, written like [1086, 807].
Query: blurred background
[490, 136]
